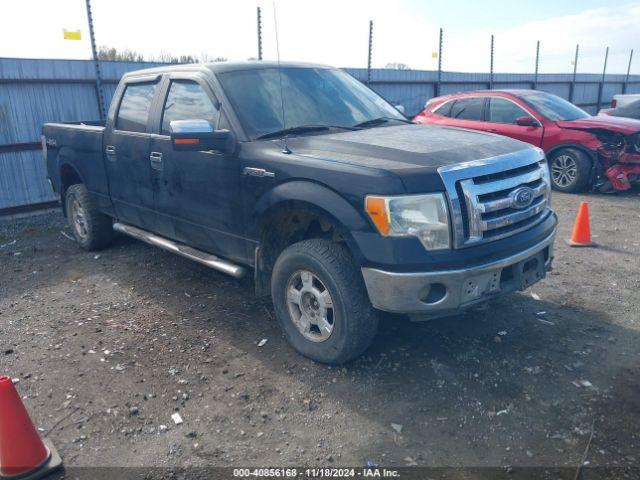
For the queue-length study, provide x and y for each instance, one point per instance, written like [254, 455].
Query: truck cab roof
[221, 67]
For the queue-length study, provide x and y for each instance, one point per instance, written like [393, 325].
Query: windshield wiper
[378, 121]
[301, 129]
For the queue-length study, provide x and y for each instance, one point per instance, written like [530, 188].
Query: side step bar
[199, 256]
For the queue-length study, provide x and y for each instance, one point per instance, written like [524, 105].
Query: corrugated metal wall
[36, 91]
[33, 92]
[412, 88]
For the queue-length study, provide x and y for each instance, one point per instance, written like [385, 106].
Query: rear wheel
[321, 302]
[92, 229]
[570, 170]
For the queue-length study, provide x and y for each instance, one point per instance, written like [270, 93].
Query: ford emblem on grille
[521, 197]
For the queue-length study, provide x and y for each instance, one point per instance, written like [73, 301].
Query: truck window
[187, 100]
[133, 113]
[468, 108]
[504, 111]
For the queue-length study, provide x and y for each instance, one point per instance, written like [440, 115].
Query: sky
[335, 32]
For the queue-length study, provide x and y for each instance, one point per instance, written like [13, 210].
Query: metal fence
[33, 92]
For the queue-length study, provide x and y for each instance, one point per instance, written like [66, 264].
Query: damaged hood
[405, 146]
[413, 152]
[626, 126]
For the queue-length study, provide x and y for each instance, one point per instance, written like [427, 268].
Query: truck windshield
[554, 107]
[312, 97]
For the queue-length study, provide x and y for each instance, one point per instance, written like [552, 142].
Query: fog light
[432, 293]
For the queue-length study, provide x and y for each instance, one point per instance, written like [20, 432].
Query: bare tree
[397, 66]
[111, 53]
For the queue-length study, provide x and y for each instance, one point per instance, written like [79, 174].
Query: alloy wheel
[310, 306]
[564, 170]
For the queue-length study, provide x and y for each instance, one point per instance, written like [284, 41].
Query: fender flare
[315, 198]
[593, 156]
[67, 158]
[66, 162]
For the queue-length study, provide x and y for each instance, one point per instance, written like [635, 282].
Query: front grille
[481, 196]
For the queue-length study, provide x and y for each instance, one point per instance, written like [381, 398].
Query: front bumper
[441, 293]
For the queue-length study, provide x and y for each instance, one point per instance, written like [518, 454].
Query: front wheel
[321, 302]
[570, 170]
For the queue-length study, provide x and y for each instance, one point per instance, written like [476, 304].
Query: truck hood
[413, 152]
[626, 126]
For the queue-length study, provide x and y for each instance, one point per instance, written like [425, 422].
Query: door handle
[257, 172]
[156, 160]
[110, 150]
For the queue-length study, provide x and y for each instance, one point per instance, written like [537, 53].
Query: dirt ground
[107, 346]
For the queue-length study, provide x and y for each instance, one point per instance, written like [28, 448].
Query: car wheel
[321, 302]
[92, 230]
[570, 170]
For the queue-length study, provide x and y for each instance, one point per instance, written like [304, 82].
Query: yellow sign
[434, 54]
[72, 35]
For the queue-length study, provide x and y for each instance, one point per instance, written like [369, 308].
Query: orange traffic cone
[581, 236]
[23, 454]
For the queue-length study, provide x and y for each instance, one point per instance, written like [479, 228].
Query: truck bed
[77, 147]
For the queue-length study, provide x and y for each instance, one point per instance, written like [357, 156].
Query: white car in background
[623, 99]
[623, 106]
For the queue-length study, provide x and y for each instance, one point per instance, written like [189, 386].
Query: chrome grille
[481, 196]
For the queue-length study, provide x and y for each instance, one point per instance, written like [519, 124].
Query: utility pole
[491, 66]
[572, 87]
[439, 64]
[604, 73]
[96, 63]
[535, 77]
[259, 35]
[370, 48]
[626, 79]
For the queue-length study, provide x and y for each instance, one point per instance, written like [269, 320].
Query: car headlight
[422, 216]
[546, 178]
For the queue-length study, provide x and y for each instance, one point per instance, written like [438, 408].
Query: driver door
[196, 193]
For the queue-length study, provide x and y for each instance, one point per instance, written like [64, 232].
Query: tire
[570, 170]
[92, 230]
[352, 319]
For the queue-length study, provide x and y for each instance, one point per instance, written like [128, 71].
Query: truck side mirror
[198, 135]
[527, 121]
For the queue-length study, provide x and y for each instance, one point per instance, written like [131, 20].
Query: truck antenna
[285, 148]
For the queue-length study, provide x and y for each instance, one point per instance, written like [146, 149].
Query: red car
[602, 152]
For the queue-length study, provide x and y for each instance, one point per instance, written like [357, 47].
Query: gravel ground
[107, 346]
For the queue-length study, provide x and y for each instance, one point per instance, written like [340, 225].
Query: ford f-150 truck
[305, 178]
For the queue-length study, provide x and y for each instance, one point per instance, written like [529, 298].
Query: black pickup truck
[307, 179]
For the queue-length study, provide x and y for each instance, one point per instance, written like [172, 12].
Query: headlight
[422, 216]
[546, 178]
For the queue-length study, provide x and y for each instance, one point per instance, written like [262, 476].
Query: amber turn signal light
[186, 141]
[376, 207]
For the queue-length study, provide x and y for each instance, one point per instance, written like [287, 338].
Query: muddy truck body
[327, 196]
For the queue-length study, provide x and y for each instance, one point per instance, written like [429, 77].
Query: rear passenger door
[197, 194]
[502, 115]
[127, 140]
[467, 112]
